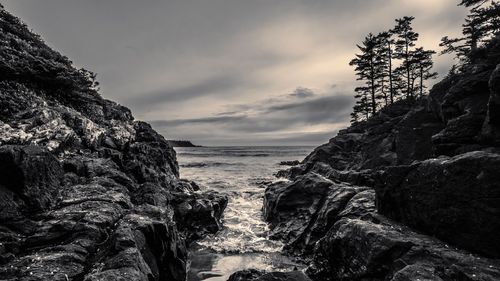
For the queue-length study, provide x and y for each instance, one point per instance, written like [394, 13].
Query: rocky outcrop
[347, 239]
[455, 199]
[255, 275]
[86, 191]
[181, 143]
[410, 194]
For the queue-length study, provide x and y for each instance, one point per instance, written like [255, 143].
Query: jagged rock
[255, 275]
[30, 176]
[197, 214]
[301, 212]
[290, 207]
[86, 192]
[290, 163]
[455, 199]
[357, 249]
[491, 126]
[246, 275]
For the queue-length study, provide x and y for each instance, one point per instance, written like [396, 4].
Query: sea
[240, 173]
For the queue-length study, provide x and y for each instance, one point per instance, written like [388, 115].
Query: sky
[231, 72]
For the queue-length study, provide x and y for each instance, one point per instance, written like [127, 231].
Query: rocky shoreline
[89, 193]
[411, 194]
[86, 191]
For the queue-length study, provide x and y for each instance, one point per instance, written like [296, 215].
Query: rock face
[255, 275]
[410, 194]
[456, 199]
[86, 192]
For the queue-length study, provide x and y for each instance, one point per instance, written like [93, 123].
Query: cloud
[302, 93]
[205, 120]
[228, 72]
[279, 119]
[211, 86]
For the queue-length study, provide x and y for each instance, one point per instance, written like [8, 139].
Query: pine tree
[386, 50]
[481, 24]
[423, 62]
[405, 41]
[368, 68]
[361, 109]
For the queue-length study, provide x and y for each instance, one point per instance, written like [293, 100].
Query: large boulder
[302, 211]
[455, 199]
[378, 249]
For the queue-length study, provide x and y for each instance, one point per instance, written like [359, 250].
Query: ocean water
[239, 173]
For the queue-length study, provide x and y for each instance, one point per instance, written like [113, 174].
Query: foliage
[390, 67]
[481, 25]
[25, 58]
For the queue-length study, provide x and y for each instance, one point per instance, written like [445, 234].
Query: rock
[433, 163]
[301, 212]
[289, 207]
[181, 143]
[199, 215]
[246, 275]
[357, 249]
[86, 192]
[30, 175]
[255, 275]
[455, 199]
[491, 126]
[290, 163]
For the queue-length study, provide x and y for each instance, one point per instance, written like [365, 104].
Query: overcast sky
[231, 72]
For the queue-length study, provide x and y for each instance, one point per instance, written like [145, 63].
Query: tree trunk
[421, 80]
[390, 74]
[408, 92]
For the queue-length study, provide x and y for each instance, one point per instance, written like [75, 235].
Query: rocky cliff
[410, 194]
[86, 191]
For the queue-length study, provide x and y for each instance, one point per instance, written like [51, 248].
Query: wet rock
[289, 163]
[255, 275]
[199, 214]
[455, 199]
[246, 275]
[357, 249]
[301, 212]
[290, 207]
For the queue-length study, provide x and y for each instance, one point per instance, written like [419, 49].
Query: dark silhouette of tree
[389, 65]
[423, 62]
[361, 109]
[385, 47]
[405, 41]
[482, 23]
[368, 65]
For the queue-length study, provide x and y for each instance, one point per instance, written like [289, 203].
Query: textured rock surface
[86, 192]
[255, 275]
[456, 199]
[366, 205]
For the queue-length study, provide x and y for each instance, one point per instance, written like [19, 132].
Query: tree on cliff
[368, 65]
[405, 41]
[423, 62]
[385, 46]
[389, 66]
[361, 109]
[482, 23]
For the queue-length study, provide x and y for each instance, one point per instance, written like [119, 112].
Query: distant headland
[182, 143]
